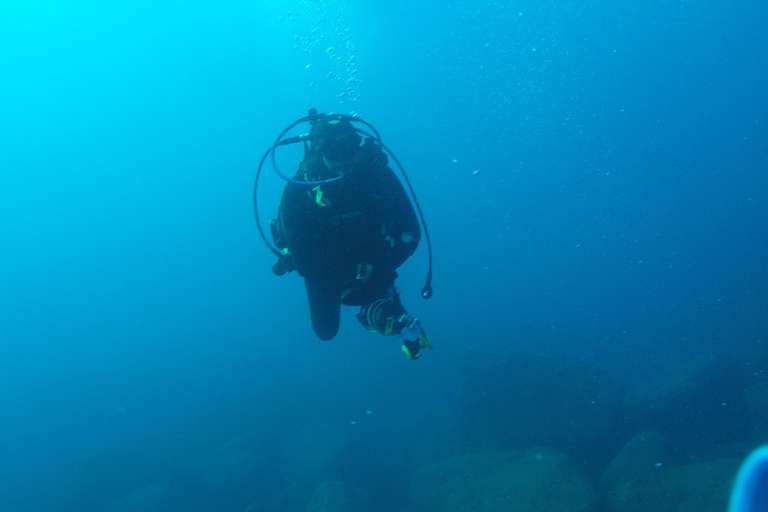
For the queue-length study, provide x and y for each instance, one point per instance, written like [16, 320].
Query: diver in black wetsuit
[348, 235]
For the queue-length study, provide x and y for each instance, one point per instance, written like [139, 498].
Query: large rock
[238, 472]
[522, 480]
[696, 404]
[700, 487]
[643, 453]
[110, 474]
[518, 401]
[314, 453]
[151, 498]
[227, 477]
[293, 498]
[757, 398]
[266, 507]
[335, 496]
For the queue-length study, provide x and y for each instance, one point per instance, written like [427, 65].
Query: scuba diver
[346, 224]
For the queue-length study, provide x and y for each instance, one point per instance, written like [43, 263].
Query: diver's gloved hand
[404, 321]
[411, 348]
[283, 265]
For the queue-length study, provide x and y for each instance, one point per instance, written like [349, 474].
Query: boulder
[226, 477]
[519, 401]
[238, 473]
[110, 474]
[643, 453]
[294, 497]
[265, 507]
[521, 480]
[757, 399]
[335, 496]
[314, 453]
[696, 404]
[150, 498]
[702, 487]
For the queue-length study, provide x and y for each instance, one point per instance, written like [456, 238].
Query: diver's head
[337, 140]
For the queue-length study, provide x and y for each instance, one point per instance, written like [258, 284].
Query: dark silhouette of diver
[346, 224]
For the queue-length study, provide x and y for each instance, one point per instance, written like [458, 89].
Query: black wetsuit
[347, 237]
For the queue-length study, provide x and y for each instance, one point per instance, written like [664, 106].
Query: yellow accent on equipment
[390, 325]
[407, 352]
[319, 197]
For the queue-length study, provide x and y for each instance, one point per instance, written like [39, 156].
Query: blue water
[593, 175]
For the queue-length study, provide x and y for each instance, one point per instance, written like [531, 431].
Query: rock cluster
[529, 433]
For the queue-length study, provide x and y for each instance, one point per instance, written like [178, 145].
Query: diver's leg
[324, 306]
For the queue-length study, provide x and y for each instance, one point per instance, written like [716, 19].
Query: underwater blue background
[593, 175]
